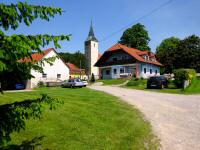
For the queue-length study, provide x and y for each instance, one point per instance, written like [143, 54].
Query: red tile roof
[36, 57]
[99, 56]
[74, 69]
[137, 54]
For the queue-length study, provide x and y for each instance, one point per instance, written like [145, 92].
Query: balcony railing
[118, 62]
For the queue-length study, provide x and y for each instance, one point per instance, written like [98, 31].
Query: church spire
[91, 36]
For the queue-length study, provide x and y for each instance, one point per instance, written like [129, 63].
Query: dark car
[73, 83]
[157, 82]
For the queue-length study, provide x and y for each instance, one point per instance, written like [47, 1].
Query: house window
[145, 70]
[121, 70]
[115, 71]
[44, 75]
[156, 71]
[114, 59]
[107, 72]
[58, 76]
[150, 71]
[123, 57]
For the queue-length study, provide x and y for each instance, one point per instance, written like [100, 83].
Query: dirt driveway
[175, 118]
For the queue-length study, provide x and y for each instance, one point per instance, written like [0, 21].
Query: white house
[121, 61]
[56, 72]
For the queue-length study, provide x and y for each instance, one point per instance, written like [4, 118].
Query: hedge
[183, 74]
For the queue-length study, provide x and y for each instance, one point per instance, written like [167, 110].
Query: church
[119, 61]
[92, 54]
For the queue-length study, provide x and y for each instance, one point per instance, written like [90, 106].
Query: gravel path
[175, 118]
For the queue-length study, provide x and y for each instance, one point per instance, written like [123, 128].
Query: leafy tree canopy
[76, 58]
[188, 53]
[136, 37]
[16, 47]
[165, 53]
[175, 53]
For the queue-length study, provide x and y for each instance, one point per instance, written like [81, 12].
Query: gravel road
[175, 118]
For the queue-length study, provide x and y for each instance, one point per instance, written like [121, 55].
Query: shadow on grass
[26, 145]
[13, 116]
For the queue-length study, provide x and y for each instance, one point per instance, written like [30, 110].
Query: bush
[92, 78]
[137, 82]
[41, 84]
[183, 74]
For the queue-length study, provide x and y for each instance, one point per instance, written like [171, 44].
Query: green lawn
[112, 81]
[140, 84]
[87, 120]
[194, 88]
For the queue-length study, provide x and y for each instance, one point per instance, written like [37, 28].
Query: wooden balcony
[118, 62]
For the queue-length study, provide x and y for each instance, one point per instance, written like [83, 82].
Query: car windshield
[77, 80]
[155, 78]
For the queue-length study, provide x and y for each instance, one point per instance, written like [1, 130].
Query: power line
[137, 20]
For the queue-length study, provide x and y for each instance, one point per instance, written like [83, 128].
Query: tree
[136, 37]
[165, 53]
[188, 53]
[175, 53]
[76, 58]
[16, 47]
[92, 78]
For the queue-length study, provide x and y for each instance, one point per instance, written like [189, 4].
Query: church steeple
[91, 36]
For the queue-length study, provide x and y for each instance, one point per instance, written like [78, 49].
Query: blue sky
[179, 18]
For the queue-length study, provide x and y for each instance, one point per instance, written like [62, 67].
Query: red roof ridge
[134, 53]
[37, 56]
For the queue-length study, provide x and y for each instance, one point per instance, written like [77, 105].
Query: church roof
[91, 36]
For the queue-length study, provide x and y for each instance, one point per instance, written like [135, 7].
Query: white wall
[92, 54]
[58, 67]
[148, 67]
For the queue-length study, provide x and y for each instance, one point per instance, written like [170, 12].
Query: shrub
[92, 78]
[137, 82]
[41, 84]
[183, 74]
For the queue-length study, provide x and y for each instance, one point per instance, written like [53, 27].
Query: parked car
[157, 82]
[85, 83]
[19, 86]
[73, 83]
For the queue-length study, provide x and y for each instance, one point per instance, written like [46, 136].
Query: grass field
[140, 84]
[87, 120]
[112, 81]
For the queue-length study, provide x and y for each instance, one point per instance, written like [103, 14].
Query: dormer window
[146, 57]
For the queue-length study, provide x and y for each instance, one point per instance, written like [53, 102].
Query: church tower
[91, 53]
